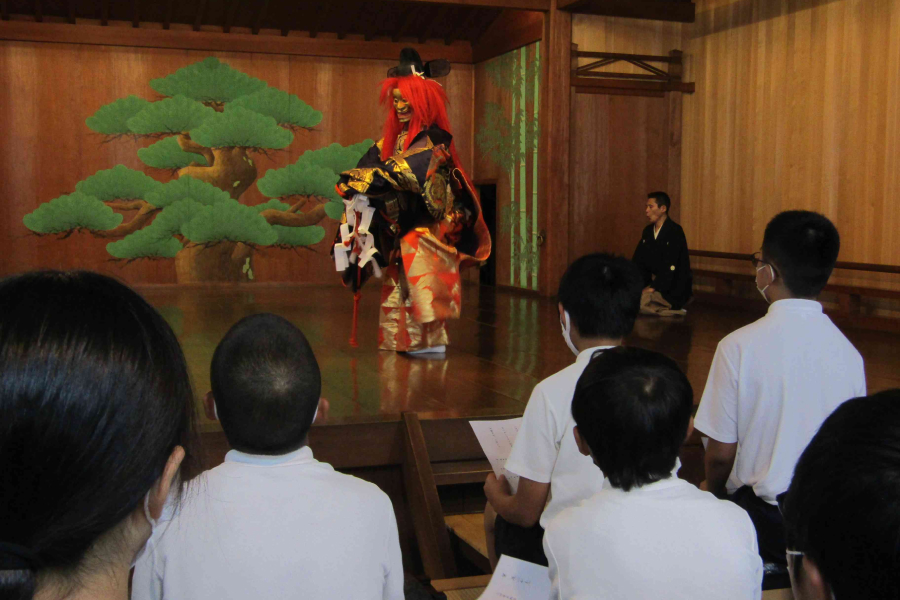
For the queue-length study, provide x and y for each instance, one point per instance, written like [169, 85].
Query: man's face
[653, 210]
[402, 106]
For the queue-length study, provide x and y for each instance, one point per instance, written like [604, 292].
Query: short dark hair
[803, 247]
[662, 199]
[266, 383]
[94, 397]
[602, 294]
[633, 407]
[841, 507]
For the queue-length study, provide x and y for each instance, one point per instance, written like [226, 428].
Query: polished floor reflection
[504, 343]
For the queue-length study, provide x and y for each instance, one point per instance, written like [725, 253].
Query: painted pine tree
[211, 124]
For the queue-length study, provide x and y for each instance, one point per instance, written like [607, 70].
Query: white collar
[795, 304]
[303, 455]
[585, 355]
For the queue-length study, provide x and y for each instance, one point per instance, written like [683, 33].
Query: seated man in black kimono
[662, 257]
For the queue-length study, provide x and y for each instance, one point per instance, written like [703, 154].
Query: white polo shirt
[771, 385]
[283, 527]
[545, 449]
[662, 540]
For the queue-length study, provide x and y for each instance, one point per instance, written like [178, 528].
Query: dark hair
[841, 508]
[803, 247]
[602, 294]
[662, 199]
[94, 397]
[632, 407]
[266, 382]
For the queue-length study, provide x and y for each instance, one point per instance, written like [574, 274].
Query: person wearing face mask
[96, 428]
[663, 258]
[599, 299]
[773, 382]
[272, 521]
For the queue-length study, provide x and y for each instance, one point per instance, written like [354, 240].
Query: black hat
[411, 64]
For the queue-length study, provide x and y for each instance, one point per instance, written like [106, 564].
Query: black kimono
[665, 264]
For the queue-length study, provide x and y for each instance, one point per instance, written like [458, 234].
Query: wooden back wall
[48, 90]
[797, 106]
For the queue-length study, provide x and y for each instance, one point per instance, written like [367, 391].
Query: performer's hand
[704, 485]
[496, 487]
[324, 407]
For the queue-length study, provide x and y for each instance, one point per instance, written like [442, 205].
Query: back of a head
[94, 397]
[602, 294]
[841, 509]
[803, 246]
[266, 383]
[662, 199]
[633, 408]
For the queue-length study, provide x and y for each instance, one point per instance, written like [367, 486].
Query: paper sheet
[515, 579]
[496, 439]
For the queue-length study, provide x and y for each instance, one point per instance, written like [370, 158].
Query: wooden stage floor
[502, 346]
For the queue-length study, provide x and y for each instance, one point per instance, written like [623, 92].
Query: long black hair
[94, 396]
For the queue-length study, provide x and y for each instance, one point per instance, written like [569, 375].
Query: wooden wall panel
[50, 89]
[631, 36]
[797, 106]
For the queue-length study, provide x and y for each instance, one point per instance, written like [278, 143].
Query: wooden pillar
[553, 160]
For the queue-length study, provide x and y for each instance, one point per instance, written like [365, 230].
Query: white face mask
[763, 290]
[566, 327]
[154, 524]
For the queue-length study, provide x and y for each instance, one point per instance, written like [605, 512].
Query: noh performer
[412, 216]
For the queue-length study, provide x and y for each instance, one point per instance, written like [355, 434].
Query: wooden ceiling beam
[230, 15]
[542, 5]
[682, 11]
[321, 12]
[71, 13]
[260, 17]
[198, 18]
[408, 17]
[38, 11]
[104, 13]
[428, 30]
[167, 19]
[463, 26]
[4, 10]
[488, 16]
[370, 25]
[135, 13]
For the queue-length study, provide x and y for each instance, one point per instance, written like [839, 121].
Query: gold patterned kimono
[428, 223]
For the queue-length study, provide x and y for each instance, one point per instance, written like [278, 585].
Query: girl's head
[96, 415]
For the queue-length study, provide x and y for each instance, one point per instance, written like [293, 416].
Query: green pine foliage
[118, 183]
[208, 81]
[314, 174]
[334, 209]
[231, 221]
[299, 236]
[238, 127]
[173, 217]
[144, 243]
[271, 205]
[288, 110]
[167, 154]
[172, 115]
[72, 212]
[112, 119]
[186, 187]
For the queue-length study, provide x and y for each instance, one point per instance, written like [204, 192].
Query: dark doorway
[488, 195]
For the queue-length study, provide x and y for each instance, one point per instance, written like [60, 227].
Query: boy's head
[802, 248]
[841, 511]
[632, 408]
[602, 294]
[266, 385]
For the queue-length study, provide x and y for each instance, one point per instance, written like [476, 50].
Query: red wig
[429, 107]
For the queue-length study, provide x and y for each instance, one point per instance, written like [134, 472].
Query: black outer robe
[667, 258]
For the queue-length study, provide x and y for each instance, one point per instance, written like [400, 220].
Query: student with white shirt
[773, 382]
[599, 299]
[271, 521]
[646, 533]
[840, 513]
